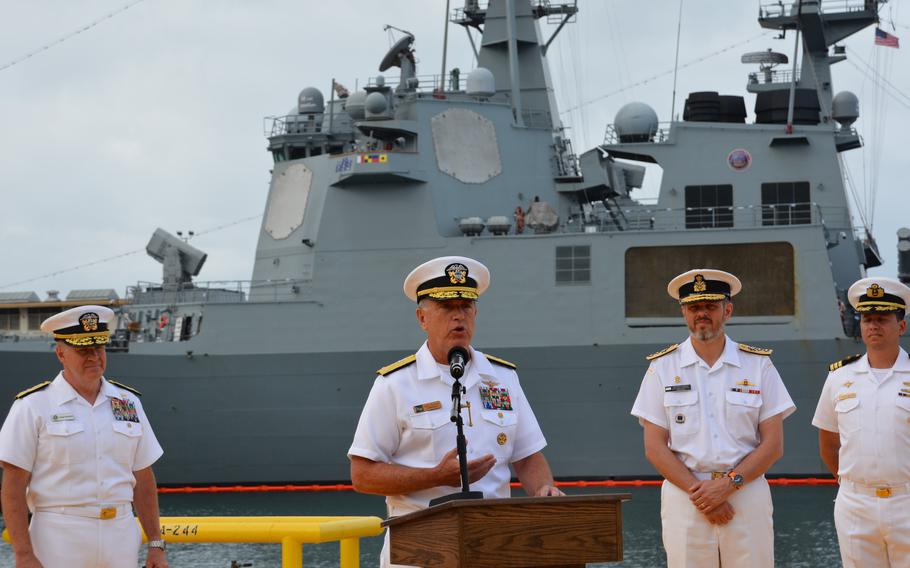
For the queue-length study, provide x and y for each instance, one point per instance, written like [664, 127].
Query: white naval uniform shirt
[872, 418]
[78, 454]
[394, 429]
[713, 413]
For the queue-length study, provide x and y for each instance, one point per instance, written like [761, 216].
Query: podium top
[477, 503]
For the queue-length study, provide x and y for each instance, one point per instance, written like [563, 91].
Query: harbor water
[803, 522]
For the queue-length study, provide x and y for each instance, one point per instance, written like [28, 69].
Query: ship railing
[776, 8]
[651, 218]
[290, 532]
[425, 83]
[215, 291]
[773, 76]
[659, 136]
[293, 124]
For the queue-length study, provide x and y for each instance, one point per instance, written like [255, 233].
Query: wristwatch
[736, 479]
[157, 544]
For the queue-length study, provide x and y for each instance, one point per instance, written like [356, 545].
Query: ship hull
[277, 418]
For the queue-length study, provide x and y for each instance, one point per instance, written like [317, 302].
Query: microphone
[458, 360]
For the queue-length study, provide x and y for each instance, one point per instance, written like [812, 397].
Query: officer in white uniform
[712, 411]
[863, 417]
[404, 446]
[77, 453]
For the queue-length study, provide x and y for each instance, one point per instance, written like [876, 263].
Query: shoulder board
[662, 352]
[400, 364]
[125, 387]
[502, 362]
[755, 350]
[34, 389]
[845, 361]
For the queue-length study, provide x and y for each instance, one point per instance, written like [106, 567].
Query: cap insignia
[875, 291]
[457, 273]
[89, 321]
[700, 285]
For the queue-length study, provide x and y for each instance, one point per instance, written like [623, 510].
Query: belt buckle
[883, 492]
[108, 513]
[718, 474]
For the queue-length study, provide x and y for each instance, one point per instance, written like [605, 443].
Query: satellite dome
[481, 82]
[355, 105]
[380, 80]
[310, 101]
[636, 122]
[376, 104]
[845, 108]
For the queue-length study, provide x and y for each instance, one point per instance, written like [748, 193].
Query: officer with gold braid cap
[712, 412]
[863, 421]
[77, 452]
[404, 446]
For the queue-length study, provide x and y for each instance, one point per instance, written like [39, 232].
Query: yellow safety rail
[291, 532]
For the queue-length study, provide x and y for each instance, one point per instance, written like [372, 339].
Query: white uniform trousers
[68, 541]
[691, 541]
[873, 532]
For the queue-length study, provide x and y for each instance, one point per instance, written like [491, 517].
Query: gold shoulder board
[662, 352]
[845, 361]
[755, 350]
[502, 362]
[34, 389]
[125, 387]
[400, 364]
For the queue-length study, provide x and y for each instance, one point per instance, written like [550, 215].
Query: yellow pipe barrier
[291, 532]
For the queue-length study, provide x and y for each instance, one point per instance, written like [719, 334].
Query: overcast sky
[154, 117]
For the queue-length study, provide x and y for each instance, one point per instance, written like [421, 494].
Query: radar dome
[310, 101]
[636, 122]
[481, 82]
[354, 105]
[845, 108]
[376, 104]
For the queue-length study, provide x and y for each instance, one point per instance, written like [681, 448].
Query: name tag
[674, 388]
[63, 417]
[427, 406]
[845, 396]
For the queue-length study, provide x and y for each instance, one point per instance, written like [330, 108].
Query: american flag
[884, 38]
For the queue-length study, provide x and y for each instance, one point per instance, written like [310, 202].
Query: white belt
[104, 512]
[882, 491]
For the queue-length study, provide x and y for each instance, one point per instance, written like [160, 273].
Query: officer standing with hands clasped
[404, 446]
[712, 411]
[77, 453]
[863, 417]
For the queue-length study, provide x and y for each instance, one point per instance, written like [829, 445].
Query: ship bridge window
[765, 269]
[38, 315]
[709, 206]
[9, 319]
[785, 203]
[573, 265]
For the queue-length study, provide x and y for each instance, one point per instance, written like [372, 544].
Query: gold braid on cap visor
[703, 298]
[879, 306]
[85, 339]
[449, 292]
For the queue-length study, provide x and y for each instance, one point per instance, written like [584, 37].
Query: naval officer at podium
[404, 446]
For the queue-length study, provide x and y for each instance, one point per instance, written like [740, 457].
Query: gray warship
[263, 382]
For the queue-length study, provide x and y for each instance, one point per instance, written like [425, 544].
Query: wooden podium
[556, 532]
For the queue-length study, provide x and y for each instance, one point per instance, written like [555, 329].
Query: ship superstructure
[263, 382]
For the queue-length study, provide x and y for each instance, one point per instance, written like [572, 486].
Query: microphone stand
[462, 450]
